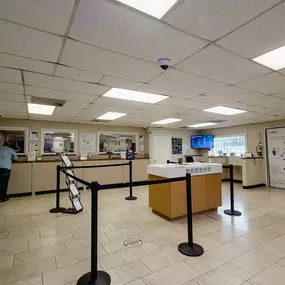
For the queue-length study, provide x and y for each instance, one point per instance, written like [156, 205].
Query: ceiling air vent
[47, 101]
[100, 121]
[217, 121]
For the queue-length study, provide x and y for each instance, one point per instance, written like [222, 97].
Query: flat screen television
[202, 141]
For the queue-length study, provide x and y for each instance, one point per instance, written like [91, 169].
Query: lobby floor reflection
[39, 248]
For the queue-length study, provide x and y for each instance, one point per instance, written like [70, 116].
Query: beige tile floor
[39, 248]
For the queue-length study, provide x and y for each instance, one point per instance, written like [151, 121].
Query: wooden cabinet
[169, 199]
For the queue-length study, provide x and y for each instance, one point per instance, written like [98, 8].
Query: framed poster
[176, 145]
[87, 142]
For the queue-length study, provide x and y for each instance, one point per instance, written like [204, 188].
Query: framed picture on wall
[176, 145]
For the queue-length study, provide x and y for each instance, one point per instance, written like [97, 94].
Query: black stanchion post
[190, 248]
[131, 197]
[232, 211]
[94, 277]
[57, 209]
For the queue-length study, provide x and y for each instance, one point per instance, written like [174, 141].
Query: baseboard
[254, 186]
[54, 191]
[228, 179]
[19, 195]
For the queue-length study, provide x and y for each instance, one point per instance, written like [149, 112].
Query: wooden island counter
[169, 200]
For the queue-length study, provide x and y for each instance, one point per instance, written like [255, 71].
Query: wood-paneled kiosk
[169, 200]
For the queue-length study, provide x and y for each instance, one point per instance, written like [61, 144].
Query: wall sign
[87, 142]
[276, 156]
[176, 146]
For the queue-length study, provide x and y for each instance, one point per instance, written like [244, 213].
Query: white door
[161, 149]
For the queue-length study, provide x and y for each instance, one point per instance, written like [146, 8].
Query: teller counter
[30, 178]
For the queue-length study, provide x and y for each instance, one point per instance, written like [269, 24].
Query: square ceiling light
[110, 116]
[224, 110]
[137, 96]
[155, 8]
[166, 121]
[202, 125]
[274, 59]
[40, 109]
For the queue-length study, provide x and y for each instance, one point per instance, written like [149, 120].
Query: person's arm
[14, 155]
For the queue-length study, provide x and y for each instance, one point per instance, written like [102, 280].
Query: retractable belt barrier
[98, 277]
[231, 211]
[59, 209]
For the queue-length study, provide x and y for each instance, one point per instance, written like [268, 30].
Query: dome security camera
[164, 63]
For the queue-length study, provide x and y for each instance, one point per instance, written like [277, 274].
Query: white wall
[175, 133]
[38, 125]
[252, 141]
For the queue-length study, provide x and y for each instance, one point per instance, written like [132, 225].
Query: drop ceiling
[76, 50]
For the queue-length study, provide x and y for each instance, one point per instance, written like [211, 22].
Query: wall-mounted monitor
[202, 141]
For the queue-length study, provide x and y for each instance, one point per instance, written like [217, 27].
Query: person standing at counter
[7, 155]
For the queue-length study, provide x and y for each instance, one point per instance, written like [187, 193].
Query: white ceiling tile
[11, 88]
[268, 84]
[95, 110]
[270, 102]
[13, 106]
[75, 105]
[61, 95]
[13, 61]
[183, 95]
[279, 95]
[118, 28]
[52, 82]
[231, 94]
[181, 81]
[242, 106]
[282, 71]
[213, 19]
[77, 74]
[108, 63]
[164, 109]
[67, 112]
[178, 104]
[10, 75]
[218, 64]
[119, 82]
[124, 103]
[7, 115]
[261, 35]
[51, 15]
[155, 89]
[48, 118]
[12, 97]
[27, 42]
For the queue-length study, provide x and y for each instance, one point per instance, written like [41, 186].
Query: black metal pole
[190, 248]
[167, 161]
[131, 197]
[57, 209]
[232, 211]
[94, 277]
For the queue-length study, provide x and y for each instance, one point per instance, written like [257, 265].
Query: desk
[169, 200]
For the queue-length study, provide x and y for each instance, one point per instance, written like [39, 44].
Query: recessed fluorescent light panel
[130, 95]
[201, 125]
[110, 116]
[167, 121]
[224, 110]
[274, 59]
[155, 8]
[40, 109]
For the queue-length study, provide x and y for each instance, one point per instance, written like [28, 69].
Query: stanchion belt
[95, 166]
[76, 178]
[140, 183]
